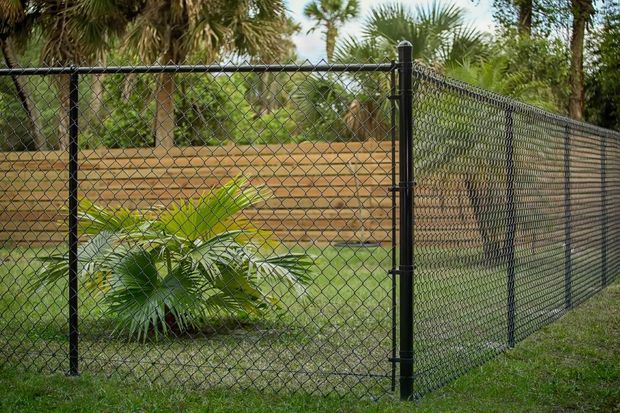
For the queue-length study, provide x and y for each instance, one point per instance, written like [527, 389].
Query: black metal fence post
[394, 224]
[568, 299]
[73, 223]
[406, 185]
[604, 211]
[510, 228]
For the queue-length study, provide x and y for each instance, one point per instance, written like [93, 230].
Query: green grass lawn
[570, 365]
[335, 343]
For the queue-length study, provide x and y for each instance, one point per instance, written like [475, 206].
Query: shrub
[171, 271]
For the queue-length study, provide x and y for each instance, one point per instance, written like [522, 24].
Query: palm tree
[15, 24]
[168, 31]
[582, 11]
[172, 270]
[437, 32]
[451, 144]
[76, 32]
[439, 37]
[331, 14]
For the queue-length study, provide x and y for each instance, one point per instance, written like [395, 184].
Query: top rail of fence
[493, 98]
[419, 71]
[232, 68]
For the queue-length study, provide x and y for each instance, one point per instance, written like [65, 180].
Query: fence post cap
[404, 43]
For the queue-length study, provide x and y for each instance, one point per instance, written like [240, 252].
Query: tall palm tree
[15, 25]
[76, 32]
[582, 11]
[331, 14]
[169, 31]
[439, 37]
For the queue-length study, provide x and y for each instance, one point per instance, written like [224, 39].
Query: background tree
[582, 11]
[76, 32]
[439, 37]
[15, 26]
[603, 79]
[438, 33]
[331, 14]
[167, 31]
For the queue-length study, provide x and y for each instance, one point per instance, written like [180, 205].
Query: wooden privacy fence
[322, 192]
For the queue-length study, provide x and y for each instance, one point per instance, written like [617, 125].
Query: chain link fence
[330, 229]
[526, 230]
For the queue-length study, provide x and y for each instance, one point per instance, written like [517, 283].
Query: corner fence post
[568, 299]
[604, 210]
[73, 222]
[406, 184]
[510, 228]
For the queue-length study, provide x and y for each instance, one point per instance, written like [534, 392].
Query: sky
[312, 46]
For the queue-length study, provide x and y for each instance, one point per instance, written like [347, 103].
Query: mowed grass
[570, 365]
[335, 338]
[335, 342]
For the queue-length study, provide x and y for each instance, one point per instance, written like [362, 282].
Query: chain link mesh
[516, 222]
[234, 227]
[237, 224]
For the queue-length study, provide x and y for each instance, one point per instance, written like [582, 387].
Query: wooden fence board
[316, 190]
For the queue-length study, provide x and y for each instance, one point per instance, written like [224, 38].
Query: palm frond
[56, 267]
[441, 16]
[93, 219]
[141, 299]
[212, 212]
[292, 269]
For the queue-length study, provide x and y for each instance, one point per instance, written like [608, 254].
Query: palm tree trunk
[63, 83]
[25, 98]
[164, 111]
[128, 85]
[582, 10]
[525, 17]
[331, 34]
[481, 200]
[96, 98]
[265, 95]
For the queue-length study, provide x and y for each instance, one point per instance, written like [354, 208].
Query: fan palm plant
[172, 270]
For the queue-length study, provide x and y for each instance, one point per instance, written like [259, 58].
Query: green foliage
[537, 59]
[212, 110]
[170, 271]
[215, 110]
[125, 120]
[437, 32]
[322, 104]
[277, 126]
[497, 75]
[603, 78]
